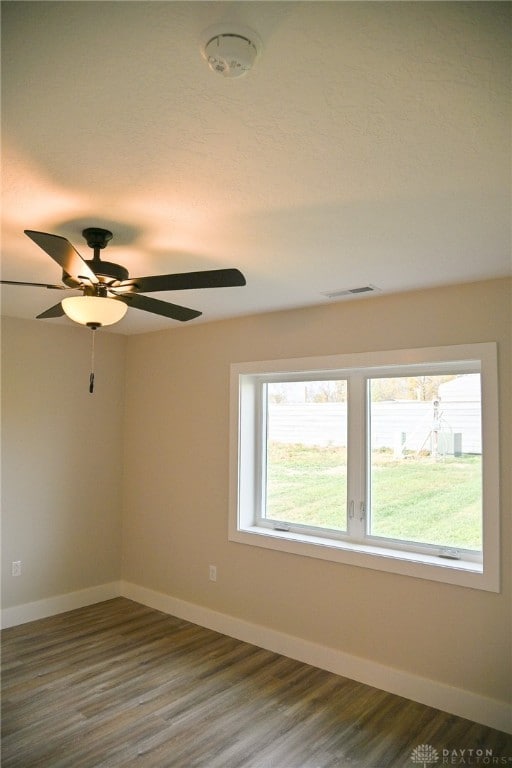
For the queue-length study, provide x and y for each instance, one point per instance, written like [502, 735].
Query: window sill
[459, 572]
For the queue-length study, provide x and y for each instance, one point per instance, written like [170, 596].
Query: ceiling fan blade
[158, 307]
[212, 278]
[64, 254]
[55, 311]
[35, 285]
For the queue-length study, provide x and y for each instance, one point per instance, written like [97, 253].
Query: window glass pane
[306, 453]
[426, 459]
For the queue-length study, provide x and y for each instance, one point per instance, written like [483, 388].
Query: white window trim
[245, 466]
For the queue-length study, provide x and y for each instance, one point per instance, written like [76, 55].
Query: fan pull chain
[91, 377]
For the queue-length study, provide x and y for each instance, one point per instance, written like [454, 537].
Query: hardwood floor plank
[119, 685]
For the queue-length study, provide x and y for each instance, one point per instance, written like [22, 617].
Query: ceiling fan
[107, 290]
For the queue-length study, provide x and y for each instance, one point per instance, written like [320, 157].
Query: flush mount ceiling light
[231, 52]
[94, 311]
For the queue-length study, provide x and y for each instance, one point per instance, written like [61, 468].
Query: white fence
[400, 425]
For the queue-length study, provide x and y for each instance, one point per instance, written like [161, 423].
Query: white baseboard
[432, 693]
[456, 701]
[50, 606]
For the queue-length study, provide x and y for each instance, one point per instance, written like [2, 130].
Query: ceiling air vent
[350, 291]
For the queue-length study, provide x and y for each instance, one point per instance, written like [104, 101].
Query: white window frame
[360, 549]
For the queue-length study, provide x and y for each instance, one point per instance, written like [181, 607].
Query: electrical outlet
[213, 573]
[16, 568]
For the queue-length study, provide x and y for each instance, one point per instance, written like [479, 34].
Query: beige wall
[176, 489]
[61, 459]
[63, 476]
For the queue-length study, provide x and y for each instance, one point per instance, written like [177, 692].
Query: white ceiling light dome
[231, 52]
[94, 311]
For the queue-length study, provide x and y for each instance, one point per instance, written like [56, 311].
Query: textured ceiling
[370, 144]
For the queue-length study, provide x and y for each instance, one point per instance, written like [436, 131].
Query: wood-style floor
[119, 684]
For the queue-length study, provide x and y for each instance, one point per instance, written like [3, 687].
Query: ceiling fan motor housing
[106, 271]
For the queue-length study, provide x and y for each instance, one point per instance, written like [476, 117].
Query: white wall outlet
[213, 573]
[16, 568]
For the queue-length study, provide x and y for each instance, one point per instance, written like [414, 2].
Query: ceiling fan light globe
[94, 310]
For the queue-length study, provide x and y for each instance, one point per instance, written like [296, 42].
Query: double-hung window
[382, 460]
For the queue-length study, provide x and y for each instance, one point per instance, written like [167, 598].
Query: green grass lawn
[415, 498]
